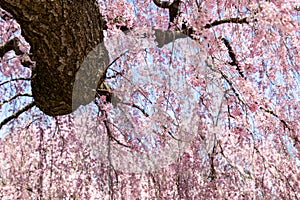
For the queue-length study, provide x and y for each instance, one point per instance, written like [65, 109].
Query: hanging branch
[174, 10]
[110, 135]
[17, 114]
[285, 124]
[232, 55]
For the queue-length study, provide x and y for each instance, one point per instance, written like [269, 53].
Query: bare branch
[228, 20]
[17, 114]
[174, 10]
[189, 31]
[15, 79]
[103, 77]
[165, 37]
[14, 97]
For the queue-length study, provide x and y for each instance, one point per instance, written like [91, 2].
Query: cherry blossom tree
[149, 99]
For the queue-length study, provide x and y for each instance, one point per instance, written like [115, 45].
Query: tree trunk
[61, 34]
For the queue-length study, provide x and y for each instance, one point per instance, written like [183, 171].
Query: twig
[227, 20]
[275, 115]
[138, 107]
[109, 133]
[15, 79]
[14, 97]
[231, 86]
[17, 114]
[103, 77]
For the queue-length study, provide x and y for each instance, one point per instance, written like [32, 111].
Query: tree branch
[14, 97]
[13, 44]
[162, 4]
[227, 79]
[111, 137]
[137, 107]
[17, 114]
[10, 45]
[232, 55]
[15, 79]
[285, 124]
[227, 20]
[165, 37]
[174, 8]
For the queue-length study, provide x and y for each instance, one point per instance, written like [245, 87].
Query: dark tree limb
[137, 107]
[226, 21]
[232, 55]
[285, 123]
[17, 114]
[165, 37]
[174, 8]
[162, 4]
[227, 79]
[11, 45]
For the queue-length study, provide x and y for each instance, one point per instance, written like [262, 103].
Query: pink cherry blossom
[235, 96]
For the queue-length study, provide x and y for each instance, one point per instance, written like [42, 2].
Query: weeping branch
[110, 135]
[17, 114]
[232, 55]
[285, 124]
[137, 107]
[174, 10]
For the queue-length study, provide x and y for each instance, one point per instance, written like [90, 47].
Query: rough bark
[61, 34]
